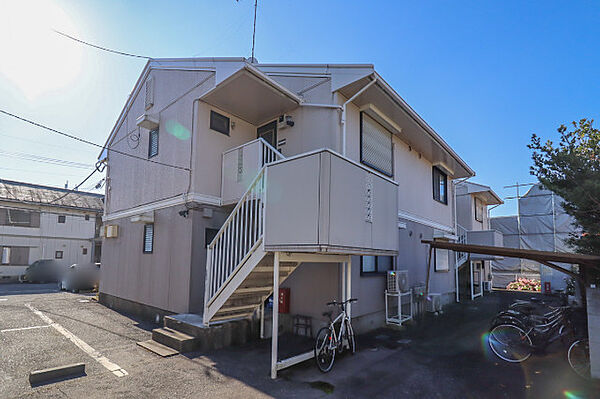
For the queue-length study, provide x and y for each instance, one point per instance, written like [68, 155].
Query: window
[219, 122]
[62, 218]
[5, 255]
[375, 264]
[440, 186]
[478, 210]
[440, 260]
[209, 235]
[18, 217]
[58, 255]
[87, 217]
[84, 251]
[148, 238]
[376, 148]
[153, 144]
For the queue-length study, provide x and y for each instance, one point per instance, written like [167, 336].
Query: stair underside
[255, 288]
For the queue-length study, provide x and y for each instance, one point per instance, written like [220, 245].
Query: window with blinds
[153, 144]
[376, 148]
[148, 238]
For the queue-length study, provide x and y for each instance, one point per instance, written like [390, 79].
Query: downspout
[344, 106]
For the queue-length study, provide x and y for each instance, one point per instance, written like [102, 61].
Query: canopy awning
[252, 96]
[543, 257]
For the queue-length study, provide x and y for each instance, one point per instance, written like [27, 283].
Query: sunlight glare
[34, 58]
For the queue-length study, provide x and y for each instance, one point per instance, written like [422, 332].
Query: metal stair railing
[460, 257]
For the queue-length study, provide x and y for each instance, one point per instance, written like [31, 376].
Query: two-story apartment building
[320, 171]
[41, 222]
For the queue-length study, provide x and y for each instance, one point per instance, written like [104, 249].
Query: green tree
[571, 169]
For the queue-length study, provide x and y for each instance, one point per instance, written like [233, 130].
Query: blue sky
[485, 75]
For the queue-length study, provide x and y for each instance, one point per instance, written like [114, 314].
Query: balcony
[325, 203]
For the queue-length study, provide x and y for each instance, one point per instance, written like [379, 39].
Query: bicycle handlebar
[334, 303]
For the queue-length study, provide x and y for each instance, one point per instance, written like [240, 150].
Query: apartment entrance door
[269, 133]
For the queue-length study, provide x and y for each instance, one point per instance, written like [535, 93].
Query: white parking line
[3, 299]
[93, 353]
[23, 328]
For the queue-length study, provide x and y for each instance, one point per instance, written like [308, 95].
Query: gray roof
[28, 193]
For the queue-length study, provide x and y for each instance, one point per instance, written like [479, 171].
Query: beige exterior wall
[173, 277]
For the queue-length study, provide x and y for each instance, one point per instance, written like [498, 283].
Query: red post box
[284, 300]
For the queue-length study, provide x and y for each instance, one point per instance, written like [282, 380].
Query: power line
[90, 142]
[100, 47]
[42, 159]
[76, 187]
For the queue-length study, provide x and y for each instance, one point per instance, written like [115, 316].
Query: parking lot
[442, 356]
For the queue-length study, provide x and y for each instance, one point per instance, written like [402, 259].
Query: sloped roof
[14, 191]
[490, 196]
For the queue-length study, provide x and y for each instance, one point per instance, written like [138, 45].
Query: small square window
[87, 217]
[148, 238]
[84, 251]
[153, 144]
[58, 255]
[219, 122]
[62, 218]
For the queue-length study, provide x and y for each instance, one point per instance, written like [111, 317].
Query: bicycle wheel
[510, 343]
[349, 335]
[579, 358]
[324, 353]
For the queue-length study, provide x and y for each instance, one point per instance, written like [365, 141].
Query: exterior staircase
[239, 273]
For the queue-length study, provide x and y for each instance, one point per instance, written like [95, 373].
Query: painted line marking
[93, 353]
[3, 299]
[23, 328]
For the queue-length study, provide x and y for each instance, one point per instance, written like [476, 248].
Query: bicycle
[515, 335]
[328, 341]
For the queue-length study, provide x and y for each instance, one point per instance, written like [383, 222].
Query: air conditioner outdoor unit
[397, 281]
[434, 303]
[111, 231]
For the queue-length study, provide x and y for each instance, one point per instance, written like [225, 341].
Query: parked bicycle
[529, 327]
[329, 341]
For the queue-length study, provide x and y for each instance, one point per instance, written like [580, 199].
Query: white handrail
[461, 233]
[237, 237]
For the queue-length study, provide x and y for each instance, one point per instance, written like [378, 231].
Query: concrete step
[159, 349]
[174, 339]
[221, 333]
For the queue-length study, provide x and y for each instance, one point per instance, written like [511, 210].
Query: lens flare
[485, 347]
[573, 395]
[177, 130]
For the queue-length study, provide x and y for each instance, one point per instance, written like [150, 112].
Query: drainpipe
[361, 91]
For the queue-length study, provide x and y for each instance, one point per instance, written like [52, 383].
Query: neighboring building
[339, 168]
[473, 273]
[40, 222]
[540, 224]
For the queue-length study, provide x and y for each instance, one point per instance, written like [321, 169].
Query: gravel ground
[439, 357]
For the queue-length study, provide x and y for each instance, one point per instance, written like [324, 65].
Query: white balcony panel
[485, 237]
[323, 202]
